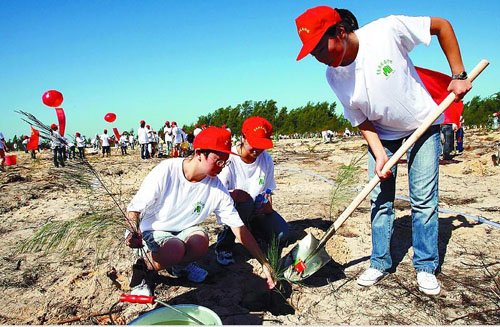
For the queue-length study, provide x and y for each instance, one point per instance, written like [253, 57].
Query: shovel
[309, 255]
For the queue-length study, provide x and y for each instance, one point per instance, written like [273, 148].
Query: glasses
[222, 163]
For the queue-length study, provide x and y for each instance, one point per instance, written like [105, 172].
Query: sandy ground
[80, 285]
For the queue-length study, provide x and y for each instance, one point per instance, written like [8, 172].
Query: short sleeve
[412, 31]
[226, 212]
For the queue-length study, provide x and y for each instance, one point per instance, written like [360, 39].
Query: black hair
[349, 22]
[143, 124]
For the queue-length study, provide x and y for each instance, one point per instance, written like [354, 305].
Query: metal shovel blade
[301, 252]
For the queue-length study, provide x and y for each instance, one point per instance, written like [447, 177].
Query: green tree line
[313, 117]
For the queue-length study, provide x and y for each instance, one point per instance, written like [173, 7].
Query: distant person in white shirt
[174, 198]
[142, 137]
[131, 140]
[177, 139]
[80, 144]
[167, 131]
[123, 143]
[248, 177]
[57, 143]
[105, 144]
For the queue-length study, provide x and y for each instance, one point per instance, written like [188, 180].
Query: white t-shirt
[25, 141]
[168, 134]
[1, 143]
[169, 202]
[80, 141]
[382, 85]
[253, 178]
[196, 131]
[131, 139]
[105, 140]
[142, 135]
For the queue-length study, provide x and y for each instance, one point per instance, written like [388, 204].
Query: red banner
[115, 130]
[437, 84]
[61, 117]
[33, 142]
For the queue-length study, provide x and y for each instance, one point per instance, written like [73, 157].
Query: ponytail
[349, 22]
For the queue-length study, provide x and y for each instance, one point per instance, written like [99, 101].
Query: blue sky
[177, 60]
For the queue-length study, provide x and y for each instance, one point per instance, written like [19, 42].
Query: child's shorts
[152, 240]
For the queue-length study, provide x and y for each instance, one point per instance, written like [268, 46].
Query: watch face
[461, 76]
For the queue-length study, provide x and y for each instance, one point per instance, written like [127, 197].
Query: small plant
[348, 175]
[275, 260]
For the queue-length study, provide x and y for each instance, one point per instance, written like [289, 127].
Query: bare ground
[81, 285]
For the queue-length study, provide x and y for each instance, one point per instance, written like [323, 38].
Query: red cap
[311, 26]
[25, 137]
[258, 131]
[105, 130]
[196, 125]
[174, 123]
[223, 126]
[142, 122]
[214, 138]
[167, 123]
[77, 134]
[147, 126]
[203, 126]
[53, 126]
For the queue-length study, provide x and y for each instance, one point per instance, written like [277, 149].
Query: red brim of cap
[310, 45]
[260, 143]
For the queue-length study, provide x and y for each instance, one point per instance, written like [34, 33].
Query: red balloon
[52, 98]
[110, 117]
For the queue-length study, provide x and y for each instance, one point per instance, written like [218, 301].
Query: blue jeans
[423, 175]
[144, 151]
[449, 140]
[263, 226]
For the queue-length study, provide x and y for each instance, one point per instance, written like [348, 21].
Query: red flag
[33, 142]
[62, 120]
[437, 83]
[115, 130]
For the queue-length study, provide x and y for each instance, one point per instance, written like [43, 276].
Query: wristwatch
[461, 76]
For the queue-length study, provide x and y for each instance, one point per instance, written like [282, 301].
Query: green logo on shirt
[198, 206]
[385, 68]
[261, 180]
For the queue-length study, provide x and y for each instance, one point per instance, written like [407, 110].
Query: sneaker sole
[427, 291]
[367, 283]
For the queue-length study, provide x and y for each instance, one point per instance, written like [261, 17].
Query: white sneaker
[370, 277]
[141, 289]
[224, 257]
[427, 283]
